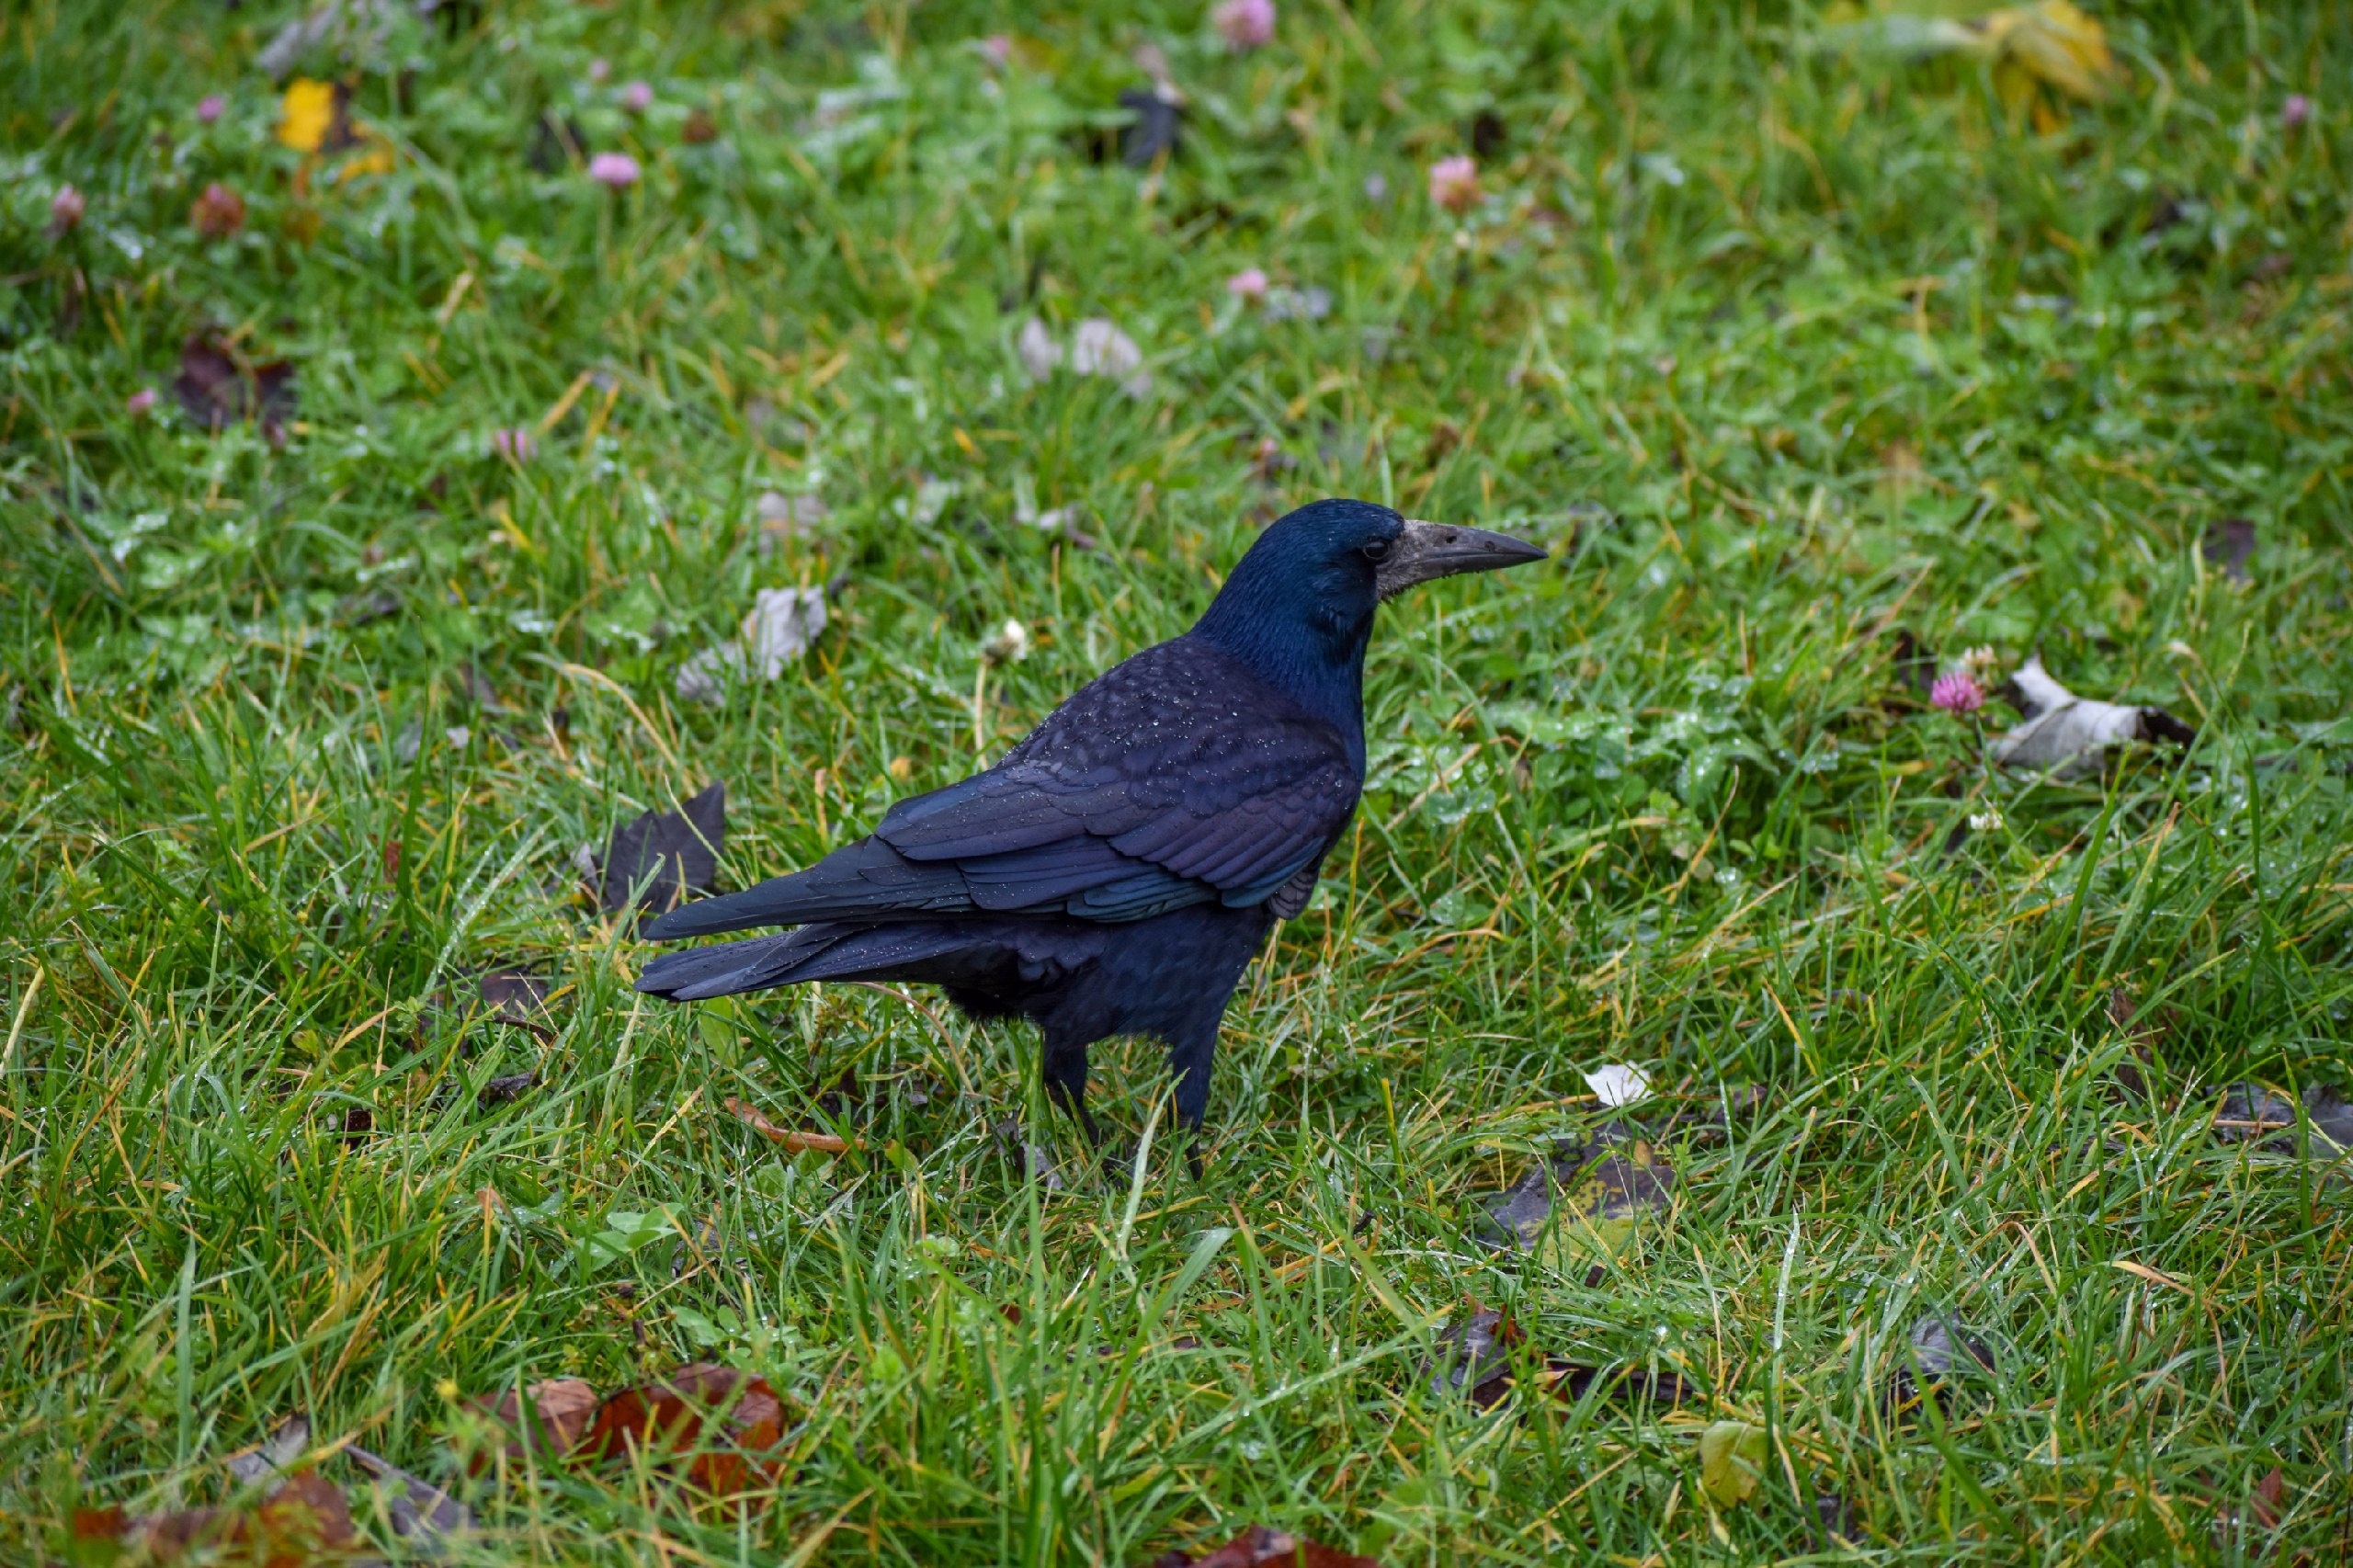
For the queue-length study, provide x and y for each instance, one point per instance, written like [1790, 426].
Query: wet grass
[1799, 364]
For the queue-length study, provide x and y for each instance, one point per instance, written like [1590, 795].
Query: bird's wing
[1178, 767]
[1177, 778]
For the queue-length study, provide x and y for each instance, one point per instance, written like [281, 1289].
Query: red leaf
[552, 1416]
[732, 1417]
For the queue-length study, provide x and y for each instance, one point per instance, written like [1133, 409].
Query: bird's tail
[867, 878]
[828, 951]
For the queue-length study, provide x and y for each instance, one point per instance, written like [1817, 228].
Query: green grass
[1783, 353]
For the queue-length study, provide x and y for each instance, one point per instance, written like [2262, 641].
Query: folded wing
[1177, 778]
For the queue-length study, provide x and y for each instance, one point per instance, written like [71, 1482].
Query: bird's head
[1307, 589]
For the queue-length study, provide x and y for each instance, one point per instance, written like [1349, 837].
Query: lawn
[376, 529]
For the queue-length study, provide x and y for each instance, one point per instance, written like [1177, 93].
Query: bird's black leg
[1188, 1059]
[1065, 1069]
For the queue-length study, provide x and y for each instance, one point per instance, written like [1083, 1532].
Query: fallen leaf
[1038, 351]
[545, 1421]
[274, 1453]
[2066, 734]
[782, 625]
[1099, 348]
[1937, 1346]
[1474, 1355]
[1570, 1380]
[513, 995]
[1600, 1197]
[793, 1143]
[505, 1088]
[2228, 546]
[2250, 1110]
[1153, 132]
[2047, 44]
[1037, 1162]
[217, 388]
[302, 1518]
[1835, 1513]
[1284, 303]
[657, 857]
[1618, 1084]
[417, 1510]
[1261, 1547]
[1731, 1461]
[730, 1419]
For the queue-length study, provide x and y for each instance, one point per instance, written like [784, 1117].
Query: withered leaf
[1939, 1347]
[2228, 546]
[546, 1421]
[418, 1510]
[1570, 1382]
[513, 995]
[1474, 1354]
[2066, 734]
[654, 859]
[218, 386]
[725, 1421]
[1153, 130]
[505, 1089]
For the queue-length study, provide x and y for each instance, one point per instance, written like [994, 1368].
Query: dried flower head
[1956, 692]
[1980, 665]
[218, 214]
[1454, 183]
[1244, 24]
[1010, 644]
[615, 171]
[66, 209]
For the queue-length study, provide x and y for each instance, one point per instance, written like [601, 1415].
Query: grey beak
[1427, 551]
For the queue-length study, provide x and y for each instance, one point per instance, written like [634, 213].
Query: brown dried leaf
[418, 1510]
[551, 1418]
[729, 1419]
[669, 852]
[216, 387]
[1475, 1355]
[794, 1142]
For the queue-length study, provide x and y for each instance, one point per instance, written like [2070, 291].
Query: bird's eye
[1377, 552]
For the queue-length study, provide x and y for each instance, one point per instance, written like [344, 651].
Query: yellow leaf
[2053, 43]
[1732, 1461]
[307, 115]
[376, 158]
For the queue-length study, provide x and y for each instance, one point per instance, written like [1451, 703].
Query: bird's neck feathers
[1305, 639]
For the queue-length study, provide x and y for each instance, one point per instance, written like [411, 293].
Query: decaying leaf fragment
[546, 1421]
[2066, 734]
[656, 858]
[783, 624]
[1731, 1461]
[722, 1421]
